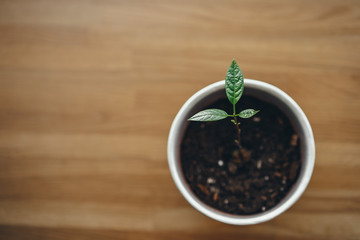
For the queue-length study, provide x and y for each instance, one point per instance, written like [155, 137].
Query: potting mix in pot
[240, 161]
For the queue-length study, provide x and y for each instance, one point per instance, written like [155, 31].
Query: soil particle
[211, 180]
[258, 164]
[232, 167]
[203, 189]
[256, 119]
[293, 170]
[215, 196]
[221, 163]
[294, 139]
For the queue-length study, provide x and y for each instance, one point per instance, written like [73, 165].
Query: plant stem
[238, 141]
[237, 128]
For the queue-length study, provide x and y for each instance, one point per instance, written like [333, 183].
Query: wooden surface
[88, 91]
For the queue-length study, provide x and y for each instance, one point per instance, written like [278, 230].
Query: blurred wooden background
[88, 91]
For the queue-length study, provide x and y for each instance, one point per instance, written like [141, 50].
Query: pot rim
[173, 153]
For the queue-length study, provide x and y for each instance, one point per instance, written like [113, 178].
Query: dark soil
[248, 181]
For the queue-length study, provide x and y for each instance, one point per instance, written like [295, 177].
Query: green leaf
[209, 115]
[234, 83]
[248, 113]
[236, 124]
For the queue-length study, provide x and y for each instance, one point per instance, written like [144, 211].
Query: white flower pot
[265, 92]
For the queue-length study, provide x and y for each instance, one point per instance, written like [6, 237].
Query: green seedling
[234, 87]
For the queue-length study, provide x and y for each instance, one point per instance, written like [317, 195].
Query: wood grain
[88, 91]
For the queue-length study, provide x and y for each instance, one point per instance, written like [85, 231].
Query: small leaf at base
[248, 113]
[209, 115]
